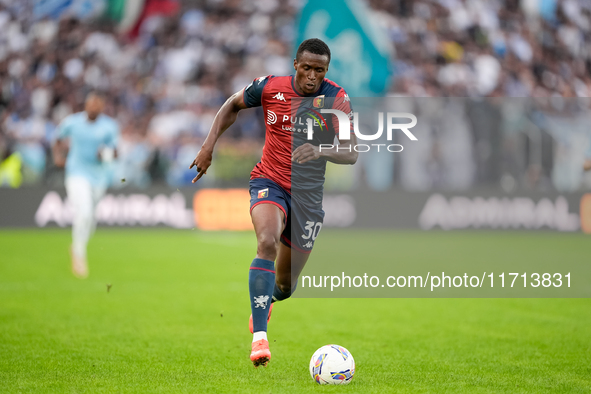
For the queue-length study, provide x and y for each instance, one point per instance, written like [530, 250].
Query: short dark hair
[97, 93]
[315, 46]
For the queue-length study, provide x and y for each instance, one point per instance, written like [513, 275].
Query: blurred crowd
[495, 48]
[165, 85]
[510, 48]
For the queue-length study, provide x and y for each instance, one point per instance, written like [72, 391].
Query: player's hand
[305, 153]
[201, 163]
[106, 154]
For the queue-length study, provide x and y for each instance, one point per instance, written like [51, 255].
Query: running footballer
[286, 186]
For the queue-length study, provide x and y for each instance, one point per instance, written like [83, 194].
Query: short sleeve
[342, 102]
[64, 129]
[253, 93]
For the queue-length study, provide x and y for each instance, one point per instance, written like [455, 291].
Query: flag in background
[136, 11]
[360, 63]
[360, 51]
[127, 14]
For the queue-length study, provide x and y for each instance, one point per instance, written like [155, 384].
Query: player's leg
[289, 266]
[80, 196]
[97, 193]
[268, 221]
[297, 241]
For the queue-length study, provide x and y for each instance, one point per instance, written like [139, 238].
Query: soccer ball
[332, 364]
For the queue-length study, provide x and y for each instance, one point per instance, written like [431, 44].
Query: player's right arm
[587, 162]
[225, 117]
[59, 149]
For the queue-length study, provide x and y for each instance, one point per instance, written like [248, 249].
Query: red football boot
[260, 355]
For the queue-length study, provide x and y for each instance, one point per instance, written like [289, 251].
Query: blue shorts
[302, 221]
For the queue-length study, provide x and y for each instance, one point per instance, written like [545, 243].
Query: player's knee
[81, 217]
[284, 287]
[267, 246]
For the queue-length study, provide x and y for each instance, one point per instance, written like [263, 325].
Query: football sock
[81, 229]
[79, 249]
[279, 295]
[257, 336]
[261, 279]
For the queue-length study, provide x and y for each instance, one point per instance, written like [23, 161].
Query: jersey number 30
[313, 230]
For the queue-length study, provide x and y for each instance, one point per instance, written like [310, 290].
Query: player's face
[94, 106]
[310, 71]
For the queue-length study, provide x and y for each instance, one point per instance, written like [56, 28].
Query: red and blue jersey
[286, 113]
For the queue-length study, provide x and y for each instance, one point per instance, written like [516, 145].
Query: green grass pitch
[175, 320]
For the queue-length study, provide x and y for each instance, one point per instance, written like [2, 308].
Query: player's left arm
[338, 154]
[108, 152]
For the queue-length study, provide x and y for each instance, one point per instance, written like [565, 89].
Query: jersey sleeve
[64, 129]
[253, 93]
[342, 102]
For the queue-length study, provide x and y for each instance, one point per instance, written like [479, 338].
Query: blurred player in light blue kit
[89, 139]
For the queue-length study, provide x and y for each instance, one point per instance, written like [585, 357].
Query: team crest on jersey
[318, 102]
[279, 96]
[264, 193]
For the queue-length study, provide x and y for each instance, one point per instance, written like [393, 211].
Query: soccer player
[286, 186]
[92, 138]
